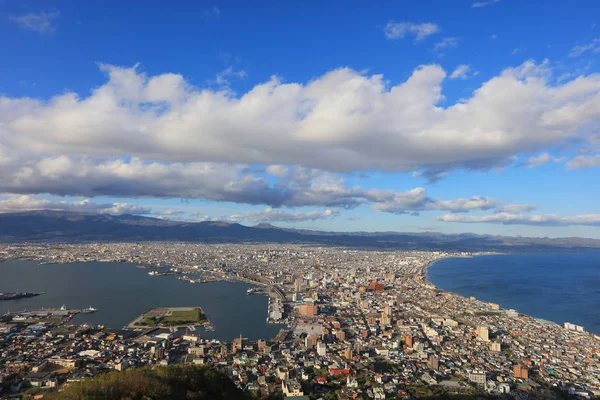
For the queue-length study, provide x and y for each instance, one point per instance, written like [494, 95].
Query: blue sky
[462, 116]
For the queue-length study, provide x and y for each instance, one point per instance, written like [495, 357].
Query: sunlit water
[556, 287]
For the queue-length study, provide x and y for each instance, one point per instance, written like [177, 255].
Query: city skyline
[472, 117]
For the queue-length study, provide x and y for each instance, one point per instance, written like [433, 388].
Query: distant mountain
[62, 226]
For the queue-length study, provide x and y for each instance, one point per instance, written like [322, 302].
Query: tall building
[261, 345]
[483, 333]
[308, 342]
[433, 362]
[238, 344]
[321, 349]
[348, 354]
[496, 347]
[159, 353]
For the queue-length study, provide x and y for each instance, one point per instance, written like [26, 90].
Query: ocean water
[122, 291]
[555, 287]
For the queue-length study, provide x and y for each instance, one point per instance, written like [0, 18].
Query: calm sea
[121, 292]
[555, 287]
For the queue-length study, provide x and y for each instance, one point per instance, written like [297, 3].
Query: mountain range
[62, 226]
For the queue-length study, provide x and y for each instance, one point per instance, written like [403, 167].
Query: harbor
[79, 285]
[63, 313]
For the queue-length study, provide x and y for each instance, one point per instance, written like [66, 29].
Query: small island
[169, 317]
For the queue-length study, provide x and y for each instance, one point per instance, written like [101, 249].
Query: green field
[175, 318]
[183, 318]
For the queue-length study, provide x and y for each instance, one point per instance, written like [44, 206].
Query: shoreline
[541, 319]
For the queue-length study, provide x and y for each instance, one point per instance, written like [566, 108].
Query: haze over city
[440, 116]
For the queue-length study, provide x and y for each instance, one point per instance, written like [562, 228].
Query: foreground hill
[63, 226]
[173, 382]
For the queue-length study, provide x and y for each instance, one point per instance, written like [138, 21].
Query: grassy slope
[173, 382]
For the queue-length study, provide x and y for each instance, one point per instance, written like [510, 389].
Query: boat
[63, 308]
[89, 310]
[152, 273]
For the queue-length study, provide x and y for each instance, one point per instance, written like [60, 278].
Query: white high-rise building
[321, 349]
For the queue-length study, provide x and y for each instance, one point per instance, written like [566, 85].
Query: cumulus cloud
[159, 136]
[541, 159]
[41, 22]
[400, 30]
[520, 219]
[17, 203]
[343, 121]
[584, 161]
[480, 4]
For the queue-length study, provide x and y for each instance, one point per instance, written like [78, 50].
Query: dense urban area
[358, 324]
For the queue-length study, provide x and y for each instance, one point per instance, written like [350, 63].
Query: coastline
[500, 303]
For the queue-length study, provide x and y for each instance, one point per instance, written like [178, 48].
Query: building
[348, 354]
[573, 327]
[377, 286]
[496, 347]
[520, 372]
[308, 342]
[321, 349]
[291, 388]
[433, 362]
[308, 310]
[483, 333]
[477, 377]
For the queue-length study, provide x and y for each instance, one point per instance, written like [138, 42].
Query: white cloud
[213, 12]
[190, 142]
[520, 219]
[464, 205]
[541, 159]
[463, 71]
[584, 161]
[17, 203]
[223, 77]
[270, 215]
[170, 213]
[516, 208]
[279, 171]
[480, 4]
[445, 43]
[41, 22]
[400, 30]
[593, 47]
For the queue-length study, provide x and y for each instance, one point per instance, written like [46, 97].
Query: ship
[89, 310]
